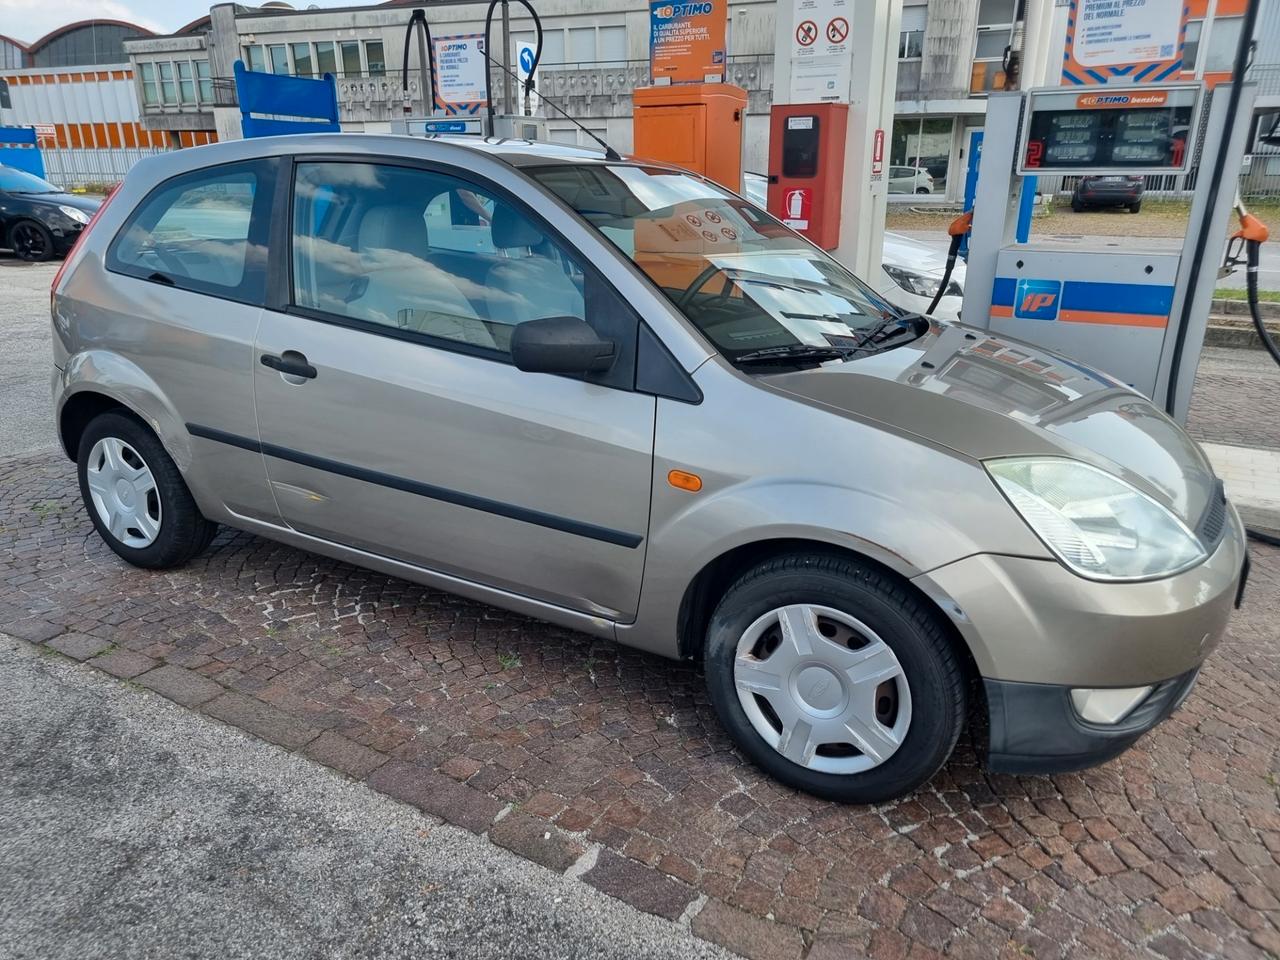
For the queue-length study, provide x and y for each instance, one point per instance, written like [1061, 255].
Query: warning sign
[820, 55]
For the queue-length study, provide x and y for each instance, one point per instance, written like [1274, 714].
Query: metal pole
[506, 58]
[424, 64]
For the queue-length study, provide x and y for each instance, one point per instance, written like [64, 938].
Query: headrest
[393, 227]
[510, 229]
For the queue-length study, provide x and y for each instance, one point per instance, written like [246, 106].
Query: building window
[1191, 44]
[911, 37]
[920, 155]
[279, 58]
[255, 59]
[1224, 38]
[186, 82]
[150, 93]
[326, 59]
[585, 45]
[350, 58]
[204, 80]
[168, 89]
[301, 58]
[374, 57]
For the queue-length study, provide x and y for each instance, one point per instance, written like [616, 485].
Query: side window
[203, 231]
[424, 252]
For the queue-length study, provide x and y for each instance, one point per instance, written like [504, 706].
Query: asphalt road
[25, 358]
[131, 827]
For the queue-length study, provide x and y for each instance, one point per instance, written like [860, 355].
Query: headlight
[1096, 524]
[920, 284]
[79, 216]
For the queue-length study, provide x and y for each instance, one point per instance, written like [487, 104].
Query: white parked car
[910, 271]
[910, 180]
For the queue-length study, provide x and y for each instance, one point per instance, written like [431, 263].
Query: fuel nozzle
[957, 229]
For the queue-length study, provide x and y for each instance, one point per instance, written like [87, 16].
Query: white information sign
[1120, 32]
[460, 73]
[820, 46]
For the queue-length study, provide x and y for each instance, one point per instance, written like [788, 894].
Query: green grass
[1233, 293]
[509, 661]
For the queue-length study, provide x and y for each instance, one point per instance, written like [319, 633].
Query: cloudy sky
[28, 20]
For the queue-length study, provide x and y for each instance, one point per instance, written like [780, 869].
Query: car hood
[77, 200]
[900, 251]
[986, 396]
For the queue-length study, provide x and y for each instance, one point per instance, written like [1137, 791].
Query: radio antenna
[609, 152]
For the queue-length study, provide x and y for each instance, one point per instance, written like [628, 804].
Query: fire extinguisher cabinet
[806, 168]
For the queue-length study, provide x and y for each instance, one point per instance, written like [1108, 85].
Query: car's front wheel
[31, 241]
[835, 678]
[136, 496]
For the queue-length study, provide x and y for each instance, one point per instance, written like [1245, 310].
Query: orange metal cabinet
[697, 126]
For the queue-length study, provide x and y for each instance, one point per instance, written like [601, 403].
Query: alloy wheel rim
[822, 689]
[124, 492]
[28, 241]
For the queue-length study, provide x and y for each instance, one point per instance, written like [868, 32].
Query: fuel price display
[1131, 130]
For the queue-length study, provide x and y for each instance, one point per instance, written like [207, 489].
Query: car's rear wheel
[1076, 206]
[136, 496]
[1135, 207]
[30, 241]
[835, 678]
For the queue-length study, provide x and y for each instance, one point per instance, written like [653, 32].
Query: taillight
[79, 240]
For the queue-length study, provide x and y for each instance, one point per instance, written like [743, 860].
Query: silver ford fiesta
[618, 397]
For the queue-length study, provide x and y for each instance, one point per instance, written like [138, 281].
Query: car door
[190, 266]
[392, 418]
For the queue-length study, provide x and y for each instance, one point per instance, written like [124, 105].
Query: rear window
[204, 231]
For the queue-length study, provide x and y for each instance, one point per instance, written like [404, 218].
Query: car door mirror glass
[560, 345]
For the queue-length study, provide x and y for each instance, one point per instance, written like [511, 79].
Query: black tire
[903, 620]
[30, 241]
[1077, 206]
[184, 532]
[920, 190]
[1135, 207]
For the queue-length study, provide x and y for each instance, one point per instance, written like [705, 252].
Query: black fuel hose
[428, 96]
[488, 49]
[1252, 258]
[1252, 250]
[957, 229]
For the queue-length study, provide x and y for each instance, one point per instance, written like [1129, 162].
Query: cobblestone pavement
[1236, 399]
[1172, 850]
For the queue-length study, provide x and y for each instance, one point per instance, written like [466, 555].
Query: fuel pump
[1140, 315]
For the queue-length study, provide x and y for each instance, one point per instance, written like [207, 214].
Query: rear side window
[204, 231]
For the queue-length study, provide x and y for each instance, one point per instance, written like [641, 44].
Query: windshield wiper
[792, 353]
[886, 327]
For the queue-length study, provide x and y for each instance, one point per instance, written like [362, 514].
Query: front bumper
[1035, 729]
[1034, 621]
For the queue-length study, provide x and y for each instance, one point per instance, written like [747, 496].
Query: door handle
[291, 363]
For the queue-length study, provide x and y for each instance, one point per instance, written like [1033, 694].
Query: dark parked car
[38, 220]
[1113, 191]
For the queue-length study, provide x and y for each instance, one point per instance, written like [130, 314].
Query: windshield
[744, 279]
[17, 181]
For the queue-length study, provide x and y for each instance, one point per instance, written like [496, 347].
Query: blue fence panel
[271, 105]
[18, 148]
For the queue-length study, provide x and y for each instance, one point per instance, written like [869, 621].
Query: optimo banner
[687, 41]
[1124, 41]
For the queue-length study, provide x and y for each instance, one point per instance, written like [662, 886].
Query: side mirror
[560, 345]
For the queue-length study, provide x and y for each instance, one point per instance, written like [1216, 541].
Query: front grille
[1214, 519]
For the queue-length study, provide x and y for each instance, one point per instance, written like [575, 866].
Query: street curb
[438, 795]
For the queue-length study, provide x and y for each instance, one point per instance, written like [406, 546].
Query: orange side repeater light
[685, 481]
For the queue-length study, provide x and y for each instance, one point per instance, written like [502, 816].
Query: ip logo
[1037, 299]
